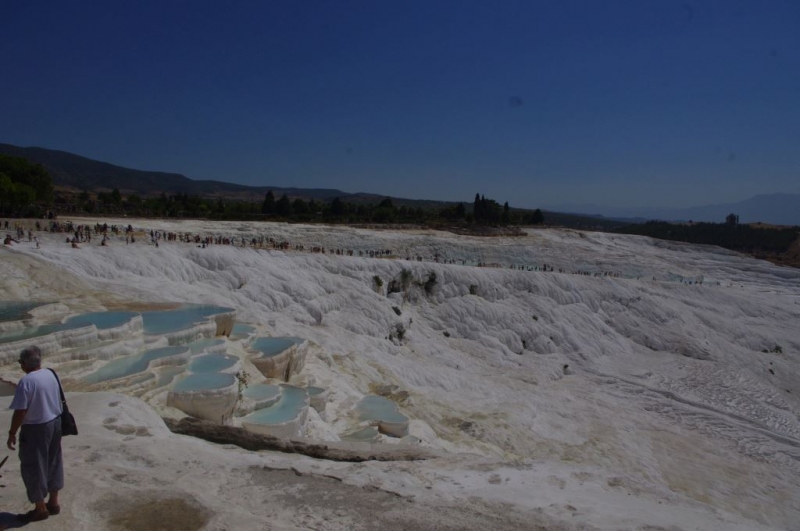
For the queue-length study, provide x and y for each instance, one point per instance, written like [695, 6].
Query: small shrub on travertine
[405, 279]
[401, 283]
[430, 283]
[242, 380]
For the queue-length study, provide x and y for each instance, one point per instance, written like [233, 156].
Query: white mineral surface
[669, 417]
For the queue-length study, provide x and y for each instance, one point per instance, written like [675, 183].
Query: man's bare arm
[16, 422]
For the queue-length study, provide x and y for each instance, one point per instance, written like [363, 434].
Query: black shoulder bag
[68, 426]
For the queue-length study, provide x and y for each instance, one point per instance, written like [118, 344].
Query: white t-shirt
[38, 392]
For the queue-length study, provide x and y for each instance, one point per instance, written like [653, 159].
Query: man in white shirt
[37, 409]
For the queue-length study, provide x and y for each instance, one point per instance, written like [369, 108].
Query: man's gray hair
[31, 358]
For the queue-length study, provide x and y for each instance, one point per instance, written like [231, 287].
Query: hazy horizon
[657, 105]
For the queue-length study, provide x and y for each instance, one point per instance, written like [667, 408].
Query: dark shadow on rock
[9, 521]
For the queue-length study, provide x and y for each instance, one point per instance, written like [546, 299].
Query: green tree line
[296, 210]
[730, 235]
[26, 189]
[23, 186]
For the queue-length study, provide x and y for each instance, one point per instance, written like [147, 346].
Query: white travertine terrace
[174, 360]
[216, 405]
[672, 415]
[284, 365]
[318, 398]
[217, 325]
[250, 403]
[76, 338]
[393, 429]
[285, 430]
[286, 426]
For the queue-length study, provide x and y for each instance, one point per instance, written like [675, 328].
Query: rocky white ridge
[673, 417]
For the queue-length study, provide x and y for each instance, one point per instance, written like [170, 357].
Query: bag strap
[60, 389]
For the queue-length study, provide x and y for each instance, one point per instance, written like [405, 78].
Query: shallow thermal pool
[366, 434]
[101, 320]
[242, 331]
[212, 363]
[272, 346]
[373, 407]
[204, 381]
[122, 367]
[186, 316]
[168, 374]
[262, 391]
[291, 404]
[205, 344]
[16, 311]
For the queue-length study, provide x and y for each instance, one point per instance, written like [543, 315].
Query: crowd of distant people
[80, 233]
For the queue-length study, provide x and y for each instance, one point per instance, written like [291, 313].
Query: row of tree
[298, 210]
[730, 235]
[27, 189]
[23, 186]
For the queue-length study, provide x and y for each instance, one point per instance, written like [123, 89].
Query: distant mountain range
[70, 171]
[80, 173]
[778, 209]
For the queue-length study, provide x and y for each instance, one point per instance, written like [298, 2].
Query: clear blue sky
[539, 103]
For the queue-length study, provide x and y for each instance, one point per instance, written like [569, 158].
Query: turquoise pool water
[378, 408]
[204, 381]
[272, 346]
[212, 363]
[35, 331]
[262, 391]
[199, 346]
[102, 320]
[289, 407]
[313, 391]
[16, 311]
[122, 367]
[188, 315]
[168, 374]
[142, 378]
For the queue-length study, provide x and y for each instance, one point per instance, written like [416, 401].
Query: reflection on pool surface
[241, 331]
[212, 363]
[272, 346]
[367, 434]
[188, 315]
[378, 408]
[289, 407]
[129, 365]
[16, 311]
[262, 391]
[202, 344]
[204, 381]
[168, 374]
[101, 320]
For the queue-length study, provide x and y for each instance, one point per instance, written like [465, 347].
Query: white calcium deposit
[669, 416]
